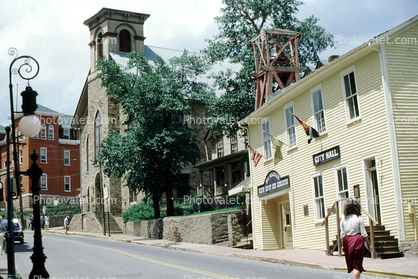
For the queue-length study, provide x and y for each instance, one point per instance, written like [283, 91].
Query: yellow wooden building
[364, 105]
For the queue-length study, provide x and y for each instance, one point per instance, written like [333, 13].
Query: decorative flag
[278, 146]
[256, 156]
[309, 130]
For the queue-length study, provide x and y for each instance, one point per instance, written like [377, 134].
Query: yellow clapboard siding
[403, 75]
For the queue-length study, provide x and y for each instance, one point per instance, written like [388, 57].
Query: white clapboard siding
[402, 63]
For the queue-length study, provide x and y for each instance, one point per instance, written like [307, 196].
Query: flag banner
[278, 146]
[309, 130]
[256, 156]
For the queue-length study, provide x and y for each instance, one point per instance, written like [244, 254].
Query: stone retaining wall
[85, 222]
[150, 229]
[409, 248]
[208, 228]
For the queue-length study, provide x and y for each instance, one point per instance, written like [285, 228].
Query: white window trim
[312, 91]
[20, 156]
[337, 195]
[347, 110]
[43, 127]
[286, 106]
[317, 220]
[46, 155]
[46, 181]
[64, 135]
[69, 182]
[69, 157]
[266, 159]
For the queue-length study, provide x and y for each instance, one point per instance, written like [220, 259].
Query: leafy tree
[239, 22]
[157, 144]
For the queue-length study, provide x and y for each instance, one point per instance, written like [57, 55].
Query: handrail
[372, 221]
[329, 213]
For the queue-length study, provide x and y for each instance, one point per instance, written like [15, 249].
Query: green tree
[239, 22]
[157, 144]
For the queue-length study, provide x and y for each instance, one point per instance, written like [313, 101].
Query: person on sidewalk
[67, 224]
[47, 222]
[353, 234]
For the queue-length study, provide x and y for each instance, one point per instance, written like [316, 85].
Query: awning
[242, 188]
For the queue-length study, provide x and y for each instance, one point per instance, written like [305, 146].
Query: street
[79, 257]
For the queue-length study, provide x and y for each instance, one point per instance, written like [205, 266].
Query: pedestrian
[66, 224]
[353, 234]
[2, 233]
[47, 222]
[43, 221]
[31, 222]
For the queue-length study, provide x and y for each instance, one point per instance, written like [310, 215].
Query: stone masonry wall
[409, 248]
[203, 229]
[85, 222]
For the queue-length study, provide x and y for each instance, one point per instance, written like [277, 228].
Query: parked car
[17, 230]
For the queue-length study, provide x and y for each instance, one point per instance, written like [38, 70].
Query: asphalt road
[81, 257]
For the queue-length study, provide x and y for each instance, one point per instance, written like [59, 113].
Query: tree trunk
[156, 202]
[169, 201]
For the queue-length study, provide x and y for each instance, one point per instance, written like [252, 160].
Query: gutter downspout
[392, 140]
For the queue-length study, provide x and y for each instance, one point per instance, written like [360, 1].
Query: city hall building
[364, 106]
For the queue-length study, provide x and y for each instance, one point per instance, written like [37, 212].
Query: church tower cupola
[115, 31]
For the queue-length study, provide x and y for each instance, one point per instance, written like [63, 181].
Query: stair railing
[325, 222]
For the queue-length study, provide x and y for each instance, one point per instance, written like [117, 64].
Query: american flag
[256, 156]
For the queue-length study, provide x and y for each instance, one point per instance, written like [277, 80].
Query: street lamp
[29, 126]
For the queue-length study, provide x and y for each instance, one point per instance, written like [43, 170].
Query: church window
[125, 41]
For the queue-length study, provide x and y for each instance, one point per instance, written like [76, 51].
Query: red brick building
[58, 147]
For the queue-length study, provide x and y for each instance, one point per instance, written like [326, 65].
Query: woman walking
[354, 234]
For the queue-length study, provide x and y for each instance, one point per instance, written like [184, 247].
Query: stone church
[113, 34]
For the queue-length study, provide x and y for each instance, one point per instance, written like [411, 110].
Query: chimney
[332, 57]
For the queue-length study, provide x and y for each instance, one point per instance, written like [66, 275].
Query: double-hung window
[67, 183]
[350, 94]
[234, 144]
[220, 147]
[290, 125]
[319, 202]
[342, 186]
[51, 132]
[66, 157]
[44, 182]
[318, 109]
[266, 138]
[44, 157]
[43, 132]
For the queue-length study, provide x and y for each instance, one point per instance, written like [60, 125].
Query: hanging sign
[326, 156]
[273, 183]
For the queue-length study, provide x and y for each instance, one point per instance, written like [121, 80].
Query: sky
[52, 31]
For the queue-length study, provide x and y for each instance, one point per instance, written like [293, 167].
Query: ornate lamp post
[29, 126]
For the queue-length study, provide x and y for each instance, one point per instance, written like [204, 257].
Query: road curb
[266, 259]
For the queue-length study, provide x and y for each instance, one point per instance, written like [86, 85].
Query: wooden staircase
[114, 227]
[386, 245]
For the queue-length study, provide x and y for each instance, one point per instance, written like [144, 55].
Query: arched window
[125, 41]
[97, 133]
[87, 154]
[51, 132]
[99, 46]
[43, 132]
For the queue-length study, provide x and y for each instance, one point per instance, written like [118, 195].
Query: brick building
[57, 145]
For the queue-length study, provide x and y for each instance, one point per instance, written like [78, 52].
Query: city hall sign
[326, 156]
[273, 183]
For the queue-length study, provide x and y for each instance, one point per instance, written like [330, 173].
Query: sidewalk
[398, 267]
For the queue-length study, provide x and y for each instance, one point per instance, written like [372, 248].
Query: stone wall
[208, 228]
[85, 222]
[149, 229]
[409, 248]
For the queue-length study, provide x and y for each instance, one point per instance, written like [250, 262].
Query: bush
[139, 212]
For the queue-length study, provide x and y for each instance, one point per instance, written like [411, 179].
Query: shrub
[139, 212]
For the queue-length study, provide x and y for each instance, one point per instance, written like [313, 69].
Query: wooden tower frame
[278, 70]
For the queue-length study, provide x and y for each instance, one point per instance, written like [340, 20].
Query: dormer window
[124, 41]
